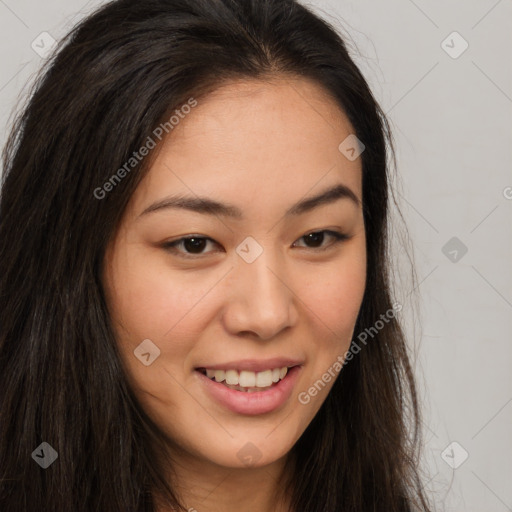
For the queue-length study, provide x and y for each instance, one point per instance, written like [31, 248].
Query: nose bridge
[261, 302]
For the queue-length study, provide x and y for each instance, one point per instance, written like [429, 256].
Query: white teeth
[264, 379]
[247, 379]
[220, 375]
[232, 377]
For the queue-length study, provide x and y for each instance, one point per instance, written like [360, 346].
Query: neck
[206, 487]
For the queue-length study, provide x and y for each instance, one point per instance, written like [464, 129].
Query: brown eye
[192, 246]
[315, 239]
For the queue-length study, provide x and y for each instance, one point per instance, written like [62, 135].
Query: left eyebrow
[326, 197]
[207, 206]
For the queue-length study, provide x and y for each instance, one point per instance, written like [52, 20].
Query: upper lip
[254, 365]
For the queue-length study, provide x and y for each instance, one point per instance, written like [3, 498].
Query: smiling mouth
[247, 381]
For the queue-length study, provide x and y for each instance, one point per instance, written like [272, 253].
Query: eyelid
[338, 237]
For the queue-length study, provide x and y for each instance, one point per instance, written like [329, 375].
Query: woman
[195, 304]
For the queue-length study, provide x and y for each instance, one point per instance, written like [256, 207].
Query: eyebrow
[205, 205]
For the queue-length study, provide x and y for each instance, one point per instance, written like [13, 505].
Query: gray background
[451, 117]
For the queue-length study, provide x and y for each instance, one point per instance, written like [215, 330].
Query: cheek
[149, 302]
[333, 299]
[334, 295]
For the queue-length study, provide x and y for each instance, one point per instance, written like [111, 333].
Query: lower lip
[258, 402]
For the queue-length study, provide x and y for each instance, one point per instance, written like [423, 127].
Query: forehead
[253, 143]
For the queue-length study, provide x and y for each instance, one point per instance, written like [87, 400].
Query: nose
[261, 302]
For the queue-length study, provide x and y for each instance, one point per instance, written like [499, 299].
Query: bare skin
[260, 146]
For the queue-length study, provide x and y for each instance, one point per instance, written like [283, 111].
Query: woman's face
[251, 293]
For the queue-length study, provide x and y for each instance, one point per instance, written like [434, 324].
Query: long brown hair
[111, 82]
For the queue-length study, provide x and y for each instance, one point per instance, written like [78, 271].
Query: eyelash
[171, 246]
